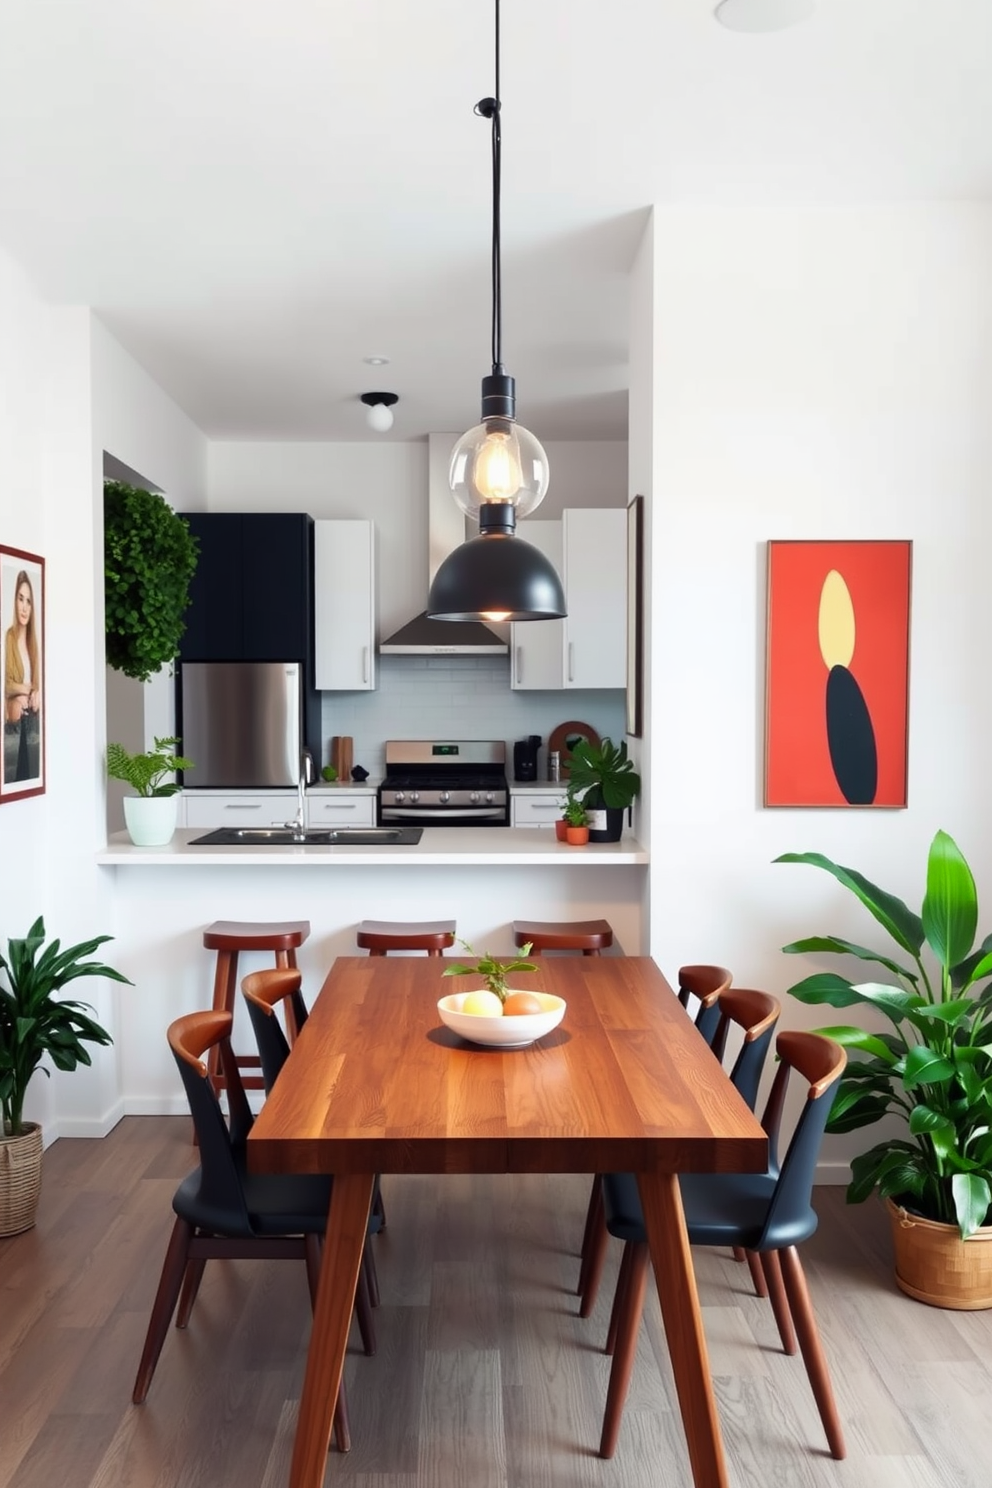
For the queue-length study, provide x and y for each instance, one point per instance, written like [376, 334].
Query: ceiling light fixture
[762, 15]
[379, 410]
[498, 471]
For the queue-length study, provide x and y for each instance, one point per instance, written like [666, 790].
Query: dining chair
[223, 1211]
[755, 1015]
[768, 1213]
[263, 992]
[704, 983]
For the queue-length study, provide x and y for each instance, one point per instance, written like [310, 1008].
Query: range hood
[422, 636]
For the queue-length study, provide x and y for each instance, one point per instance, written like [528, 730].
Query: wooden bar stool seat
[379, 937]
[588, 936]
[228, 938]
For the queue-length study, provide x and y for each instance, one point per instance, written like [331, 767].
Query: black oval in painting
[851, 738]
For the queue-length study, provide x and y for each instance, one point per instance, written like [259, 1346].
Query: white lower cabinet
[530, 810]
[239, 809]
[341, 809]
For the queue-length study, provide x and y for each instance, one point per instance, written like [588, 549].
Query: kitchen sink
[312, 837]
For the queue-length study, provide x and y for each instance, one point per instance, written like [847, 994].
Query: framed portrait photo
[22, 620]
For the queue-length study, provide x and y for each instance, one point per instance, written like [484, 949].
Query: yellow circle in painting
[836, 621]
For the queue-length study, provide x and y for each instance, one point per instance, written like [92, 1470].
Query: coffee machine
[525, 757]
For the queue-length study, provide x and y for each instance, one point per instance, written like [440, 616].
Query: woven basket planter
[934, 1265]
[20, 1180]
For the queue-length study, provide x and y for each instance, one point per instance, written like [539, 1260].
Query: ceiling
[255, 195]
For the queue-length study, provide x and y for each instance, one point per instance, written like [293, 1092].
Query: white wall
[829, 376]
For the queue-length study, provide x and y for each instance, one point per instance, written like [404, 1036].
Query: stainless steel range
[445, 783]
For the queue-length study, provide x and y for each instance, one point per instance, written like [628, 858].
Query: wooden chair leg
[780, 1305]
[173, 1269]
[626, 1347]
[596, 1260]
[191, 1285]
[812, 1350]
[619, 1299]
[757, 1274]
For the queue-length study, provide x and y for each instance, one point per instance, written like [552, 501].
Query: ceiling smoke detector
[379, 410]
[763, 15]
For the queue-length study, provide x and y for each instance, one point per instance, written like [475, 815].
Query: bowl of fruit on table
[499, 1015]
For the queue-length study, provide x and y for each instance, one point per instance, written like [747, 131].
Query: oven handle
[416, 813]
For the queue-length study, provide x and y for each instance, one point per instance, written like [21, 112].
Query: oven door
[443, 816]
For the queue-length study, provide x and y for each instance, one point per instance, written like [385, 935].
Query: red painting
[837, 700]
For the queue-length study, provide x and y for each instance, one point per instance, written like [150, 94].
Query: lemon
[482, 1005]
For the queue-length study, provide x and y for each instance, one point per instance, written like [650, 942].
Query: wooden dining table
[376, 1084]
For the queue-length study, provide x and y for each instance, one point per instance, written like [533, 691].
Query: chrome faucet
[298, 825]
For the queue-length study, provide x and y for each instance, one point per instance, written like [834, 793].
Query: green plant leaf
[905, 928]
[856, 1038]
[939, 1128]
[834, 945]
[925, 1067]
[950, 908]
[862, 1110]
[971, 1202]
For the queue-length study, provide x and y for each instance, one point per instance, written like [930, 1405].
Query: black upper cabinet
[251, 595]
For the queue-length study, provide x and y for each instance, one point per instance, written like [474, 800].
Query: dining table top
[377, 1084]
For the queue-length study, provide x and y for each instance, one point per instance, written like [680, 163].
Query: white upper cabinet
[588, 649]
[344, 606]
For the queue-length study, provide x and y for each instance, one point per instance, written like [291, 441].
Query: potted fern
[928, 1064]
[150, 813]
[35, 1024]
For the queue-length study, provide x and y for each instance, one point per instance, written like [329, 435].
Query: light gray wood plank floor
[485, 1376]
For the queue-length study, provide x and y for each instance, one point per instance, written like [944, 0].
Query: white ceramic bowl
[502, 1032]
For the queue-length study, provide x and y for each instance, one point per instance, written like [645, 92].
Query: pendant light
[498, 471]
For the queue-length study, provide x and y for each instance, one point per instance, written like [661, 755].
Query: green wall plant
[149, 558]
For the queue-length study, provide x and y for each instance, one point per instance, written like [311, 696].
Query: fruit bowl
[501, 1032]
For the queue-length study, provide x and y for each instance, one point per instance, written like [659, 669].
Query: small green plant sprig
[494, 973]
[574, 812]
[144, 772]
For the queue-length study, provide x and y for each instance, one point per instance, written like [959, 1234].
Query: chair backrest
[263, 992]
[705, 983]
[755, 1014]
[221, 1142]
[820, 1062]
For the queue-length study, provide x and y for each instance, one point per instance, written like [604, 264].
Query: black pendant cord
[489, 108]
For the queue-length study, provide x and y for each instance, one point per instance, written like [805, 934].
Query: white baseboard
[83, 1126]
[836, 1173]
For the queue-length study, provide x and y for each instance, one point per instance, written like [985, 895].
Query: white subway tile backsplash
[457, 697]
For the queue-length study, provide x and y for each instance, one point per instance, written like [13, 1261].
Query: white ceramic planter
[151, 820]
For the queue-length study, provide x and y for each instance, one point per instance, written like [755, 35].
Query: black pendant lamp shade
[498, 470]
[496, 576]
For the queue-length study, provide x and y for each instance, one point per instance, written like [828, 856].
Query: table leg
[347, 1220]
[661, 1201]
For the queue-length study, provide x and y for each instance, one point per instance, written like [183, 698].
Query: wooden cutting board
[343, 755]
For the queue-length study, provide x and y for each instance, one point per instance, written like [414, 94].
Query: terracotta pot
[561, 830]
[20, 1179]
[934, 1265]
[577, 836]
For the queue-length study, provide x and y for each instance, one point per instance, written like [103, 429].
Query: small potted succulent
[576, 822]
[150, 813]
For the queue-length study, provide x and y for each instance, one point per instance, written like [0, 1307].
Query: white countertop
[438, 846]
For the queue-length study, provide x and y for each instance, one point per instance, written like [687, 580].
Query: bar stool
[588, 936]
[228, 938]
[379, 937]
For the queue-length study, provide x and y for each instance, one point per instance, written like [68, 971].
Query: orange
[521, 1002]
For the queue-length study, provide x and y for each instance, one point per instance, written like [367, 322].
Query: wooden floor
[485, 1376]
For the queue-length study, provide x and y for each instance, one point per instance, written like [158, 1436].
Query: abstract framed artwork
[635, 617]
[837, 681]
[22, 608]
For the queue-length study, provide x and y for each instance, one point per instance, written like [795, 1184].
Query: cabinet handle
[243, 806]
[571, 661]
[365, 663]
[542, 806]
[331, 810]
[520, 663]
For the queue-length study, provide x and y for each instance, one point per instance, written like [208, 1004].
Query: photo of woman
[21, 601]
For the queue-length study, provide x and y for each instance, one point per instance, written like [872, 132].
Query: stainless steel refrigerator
[241, 723]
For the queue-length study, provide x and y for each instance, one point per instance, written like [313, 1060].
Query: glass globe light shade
[498, 461]
[379, 417]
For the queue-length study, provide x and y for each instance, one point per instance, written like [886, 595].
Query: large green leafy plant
[145, 773]
[35, 1023]
[602, 774]
[149, 558]
[934, 1068]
